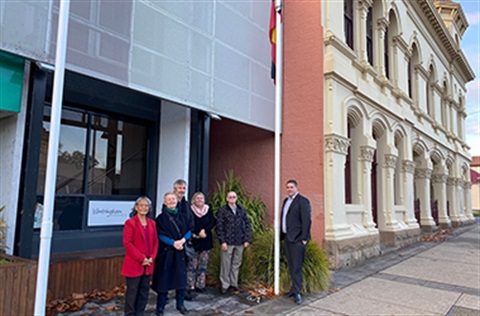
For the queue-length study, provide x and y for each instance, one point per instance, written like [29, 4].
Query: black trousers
[295, 253]
[136, 297]
[162, 299]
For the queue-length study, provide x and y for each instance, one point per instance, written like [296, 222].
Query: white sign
[109, 213]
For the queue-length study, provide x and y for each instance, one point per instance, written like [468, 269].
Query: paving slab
[312, 311]
[469, 301]
[394, 293]
[458, 273]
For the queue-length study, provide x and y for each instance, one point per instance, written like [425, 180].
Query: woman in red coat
[141, 244]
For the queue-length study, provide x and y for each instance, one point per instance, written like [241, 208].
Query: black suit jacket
[298, 219]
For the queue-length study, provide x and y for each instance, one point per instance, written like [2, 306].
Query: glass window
[115, 166]
[348, 21]
[117, 158]
[370, 36]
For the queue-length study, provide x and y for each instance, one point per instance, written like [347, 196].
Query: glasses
[231, 197]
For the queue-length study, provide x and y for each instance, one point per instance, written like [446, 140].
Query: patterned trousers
[196, 270]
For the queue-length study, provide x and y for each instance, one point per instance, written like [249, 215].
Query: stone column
[336, 149]
[361, 26]
[423, 190]
[455, 217]
[439, 181]
[468, 198]
[365, 165]
[389, 222]
[379, 58]
[408, 171]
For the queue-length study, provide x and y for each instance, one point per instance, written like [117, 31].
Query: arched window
[348, 21]
[370, 36]
[429, 91]
[386, 60]
[412, 76]
[444, 105]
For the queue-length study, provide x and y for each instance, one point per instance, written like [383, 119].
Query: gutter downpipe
[52, 160]
[278, 129]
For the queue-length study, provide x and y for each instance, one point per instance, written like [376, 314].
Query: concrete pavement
[427, 278]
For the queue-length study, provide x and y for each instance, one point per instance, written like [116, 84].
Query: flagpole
[278, 129]
[52, 159]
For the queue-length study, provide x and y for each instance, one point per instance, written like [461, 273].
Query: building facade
[143, 81]
[475, 179]
[396, 160]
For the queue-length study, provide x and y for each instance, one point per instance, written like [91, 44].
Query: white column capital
[408, 166]
[423, 173]
[337, 143]
[439, 178]
[366, 153]
[390, 161]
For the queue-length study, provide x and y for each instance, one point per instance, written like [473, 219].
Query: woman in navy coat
[170, 271]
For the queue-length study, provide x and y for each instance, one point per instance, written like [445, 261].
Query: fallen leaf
[249, 311]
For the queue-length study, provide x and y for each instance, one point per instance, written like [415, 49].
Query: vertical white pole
[52, 158]
[278, 129]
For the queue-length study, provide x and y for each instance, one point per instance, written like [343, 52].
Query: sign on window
[109, 213]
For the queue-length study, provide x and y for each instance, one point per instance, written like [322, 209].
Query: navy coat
[170, 271]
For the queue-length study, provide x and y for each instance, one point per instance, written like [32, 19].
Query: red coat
[135, 246]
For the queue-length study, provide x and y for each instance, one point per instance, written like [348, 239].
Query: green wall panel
[11, 82]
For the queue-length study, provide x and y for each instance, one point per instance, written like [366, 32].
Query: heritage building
[396, 161]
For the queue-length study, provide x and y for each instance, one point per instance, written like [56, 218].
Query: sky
[471, 48]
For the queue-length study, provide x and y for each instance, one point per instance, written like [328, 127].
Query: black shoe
[289, 294]
[202, 290]
[159, 312]
[236, 289]
[182, 310]
[298, 299]
[223, 291]
[190, 295]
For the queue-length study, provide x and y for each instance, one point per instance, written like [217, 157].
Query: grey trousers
[230, 265]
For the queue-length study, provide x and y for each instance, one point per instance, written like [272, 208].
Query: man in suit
[296, 222]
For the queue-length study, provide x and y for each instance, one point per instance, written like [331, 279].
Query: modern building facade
[143, 81]
[396, 160]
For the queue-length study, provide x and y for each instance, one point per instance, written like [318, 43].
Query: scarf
[200, 212]
[170, 211]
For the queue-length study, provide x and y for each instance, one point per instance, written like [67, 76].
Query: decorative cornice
[408, 166]
[423, 173]
[336, 143]
[366, 153]
[434, 19]
[390, 161]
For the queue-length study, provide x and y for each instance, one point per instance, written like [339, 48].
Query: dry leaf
[249, 311]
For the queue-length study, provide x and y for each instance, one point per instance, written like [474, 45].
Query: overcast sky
[471, 47]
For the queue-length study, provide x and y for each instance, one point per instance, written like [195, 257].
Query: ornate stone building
[396, 160]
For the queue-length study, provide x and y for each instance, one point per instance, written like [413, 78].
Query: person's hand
[202, 234]
[224, 246]
[246, 244]
[146, 262]
[178, 244]
[304, 242]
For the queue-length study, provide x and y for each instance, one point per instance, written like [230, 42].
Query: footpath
[427, 278]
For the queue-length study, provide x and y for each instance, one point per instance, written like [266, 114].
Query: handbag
[187, 246]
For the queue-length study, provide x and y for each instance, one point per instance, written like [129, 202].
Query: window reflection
[115, 164]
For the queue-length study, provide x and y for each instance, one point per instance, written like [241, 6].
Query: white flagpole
[52, 159]
[278, 129]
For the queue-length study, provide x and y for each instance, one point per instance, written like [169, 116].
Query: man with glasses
[234, 233]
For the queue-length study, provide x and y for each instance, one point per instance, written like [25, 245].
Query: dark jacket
[298, 220]
[184, 207]
[233, 229]
[170, 271]
[206, 222]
